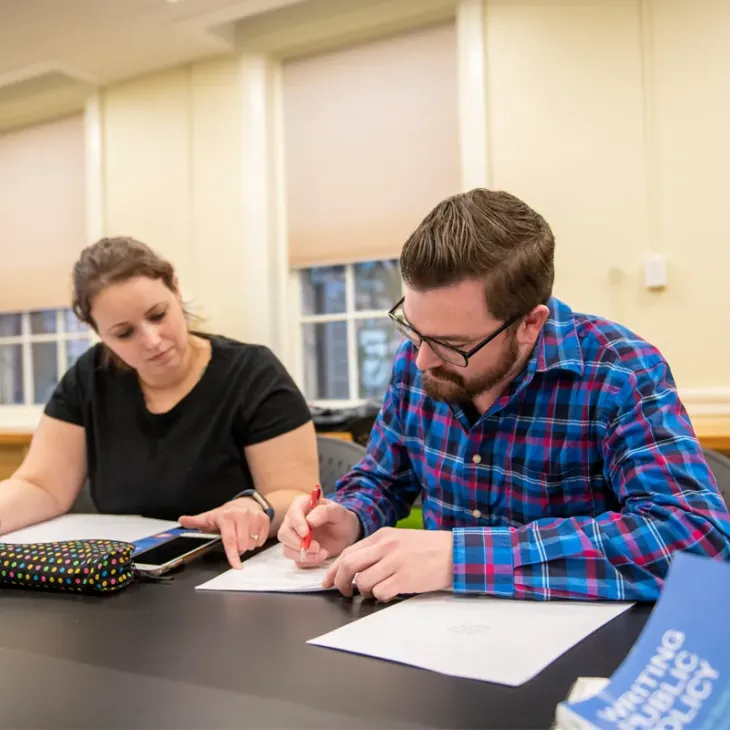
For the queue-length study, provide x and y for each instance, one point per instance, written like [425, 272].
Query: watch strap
[259, 499]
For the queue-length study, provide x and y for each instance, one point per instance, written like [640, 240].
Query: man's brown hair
[484, 234]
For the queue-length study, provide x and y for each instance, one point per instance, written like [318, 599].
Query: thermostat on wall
[655, 271]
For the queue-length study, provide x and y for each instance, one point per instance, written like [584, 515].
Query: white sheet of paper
[271, 572]
[126, 528]
[477, 637]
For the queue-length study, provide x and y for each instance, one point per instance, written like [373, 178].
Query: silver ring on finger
[254, 537]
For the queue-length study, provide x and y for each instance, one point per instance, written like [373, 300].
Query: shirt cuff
[371, 518]
[483, 561]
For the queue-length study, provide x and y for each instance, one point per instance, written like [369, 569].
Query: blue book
[677, 674]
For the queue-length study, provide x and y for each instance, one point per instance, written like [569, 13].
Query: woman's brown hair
[112, 261]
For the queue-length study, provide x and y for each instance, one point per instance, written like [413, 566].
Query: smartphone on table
[183, 547]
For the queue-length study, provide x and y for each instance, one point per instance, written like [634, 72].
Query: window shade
[371, 144]
[42, 213]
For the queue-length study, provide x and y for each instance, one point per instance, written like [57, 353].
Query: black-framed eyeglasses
[447, 353]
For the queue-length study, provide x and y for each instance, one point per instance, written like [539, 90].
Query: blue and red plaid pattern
[580, 482]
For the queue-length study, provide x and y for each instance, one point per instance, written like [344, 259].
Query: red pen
[313, 502]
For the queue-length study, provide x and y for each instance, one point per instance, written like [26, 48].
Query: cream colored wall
[172, 177]
[610, 117]
[147, 150]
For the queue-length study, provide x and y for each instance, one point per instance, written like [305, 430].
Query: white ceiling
[53, 53]
[102, 41]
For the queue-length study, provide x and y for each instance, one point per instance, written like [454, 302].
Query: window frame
[26, 339]
[350, 316]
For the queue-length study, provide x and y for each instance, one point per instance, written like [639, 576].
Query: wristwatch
[259, 499]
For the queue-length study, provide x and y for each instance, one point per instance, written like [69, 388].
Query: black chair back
[84, 503]
[720, 466]
[336, 458]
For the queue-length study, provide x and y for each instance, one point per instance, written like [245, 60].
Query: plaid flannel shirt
[580, 481]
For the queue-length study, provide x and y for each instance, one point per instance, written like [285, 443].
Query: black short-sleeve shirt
[191, 458]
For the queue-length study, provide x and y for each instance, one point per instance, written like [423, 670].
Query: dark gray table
[164, 656]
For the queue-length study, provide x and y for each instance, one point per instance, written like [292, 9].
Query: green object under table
[414, 521]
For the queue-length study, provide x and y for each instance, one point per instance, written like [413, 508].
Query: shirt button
[476, 459]
[476, 513]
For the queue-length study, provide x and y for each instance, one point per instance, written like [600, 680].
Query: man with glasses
[552, 452]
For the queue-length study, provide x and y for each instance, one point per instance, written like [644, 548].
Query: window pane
[11, 374]
[377, 285]
[9, 325]
[71, 322]
[323, 290]
[45, 370]
[43, 322]
[377, 341]
[325, 361]
[75, 349]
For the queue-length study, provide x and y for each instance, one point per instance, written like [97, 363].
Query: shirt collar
[558, 346]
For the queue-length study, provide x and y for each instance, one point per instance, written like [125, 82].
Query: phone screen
[162, 554]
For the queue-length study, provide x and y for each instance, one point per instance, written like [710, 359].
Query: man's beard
[447, 385]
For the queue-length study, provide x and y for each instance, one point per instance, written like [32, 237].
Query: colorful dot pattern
[81, 566]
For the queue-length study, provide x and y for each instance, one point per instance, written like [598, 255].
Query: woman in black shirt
[164, 422]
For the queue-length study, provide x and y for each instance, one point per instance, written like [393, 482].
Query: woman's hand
[242, 524]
